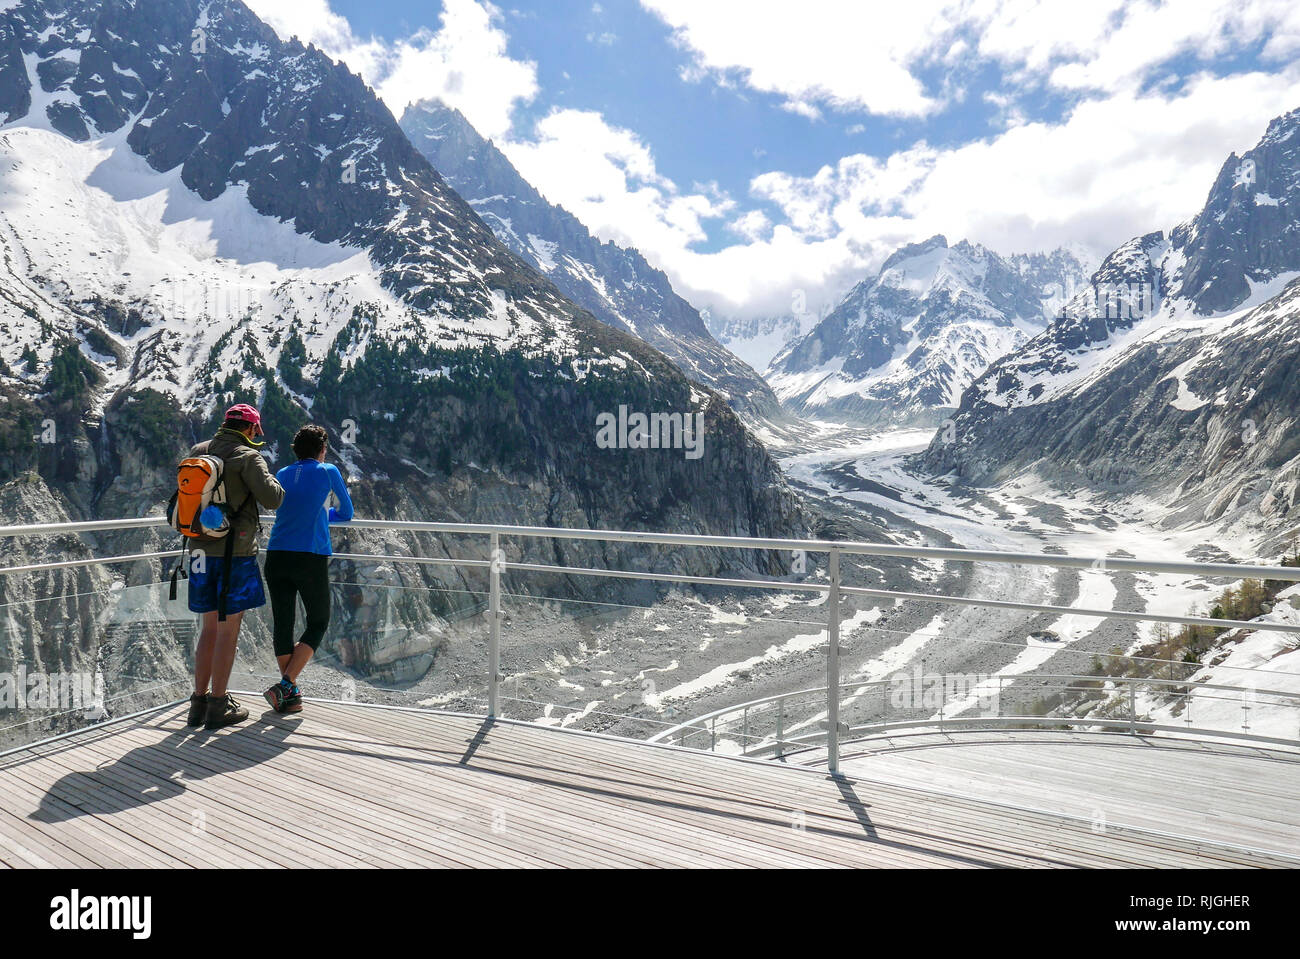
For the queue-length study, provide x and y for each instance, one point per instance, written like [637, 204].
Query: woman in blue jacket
[297, 559]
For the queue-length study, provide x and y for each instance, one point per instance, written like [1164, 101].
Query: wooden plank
[736, 768]
[327, 839]
[735, 772]
[1015, 822]
[100, 840]
[388, 770]
[1238, 796]
[773, 831]
[238, 819]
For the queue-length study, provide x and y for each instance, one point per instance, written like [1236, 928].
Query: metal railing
[769, 727]
[831, 731]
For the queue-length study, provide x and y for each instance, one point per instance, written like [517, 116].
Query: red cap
[248, 414]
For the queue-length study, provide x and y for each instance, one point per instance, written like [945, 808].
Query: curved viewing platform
[430, 740]
[384, 786]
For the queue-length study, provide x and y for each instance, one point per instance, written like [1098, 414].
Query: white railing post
[780, 727]
[1132, 708]
[833, 666]
[494, 623]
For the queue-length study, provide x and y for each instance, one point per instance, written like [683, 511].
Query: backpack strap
[180, 569]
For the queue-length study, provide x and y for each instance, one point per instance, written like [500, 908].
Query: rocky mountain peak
[906, 341]
[1248, 232]
[913, 250]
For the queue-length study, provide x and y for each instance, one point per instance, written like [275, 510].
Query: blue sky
[757, 149]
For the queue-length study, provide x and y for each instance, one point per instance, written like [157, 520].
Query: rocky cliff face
[905, 343]
[615, 283]
[197, 213]
[1175, 371]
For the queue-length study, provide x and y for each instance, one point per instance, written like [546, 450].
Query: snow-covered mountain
[1177, 369]
[757, 340]
[193, 211]
[615, 283]
[905, 343]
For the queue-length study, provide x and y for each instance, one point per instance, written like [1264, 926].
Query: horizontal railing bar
[1009, 679]
[99, 561]
[864, 731]
[1072, 611]
[776, 584]
[820, 690]
[918, 597]
[1109, 723]
[92, 526]
[1099, 563]
[419, 560]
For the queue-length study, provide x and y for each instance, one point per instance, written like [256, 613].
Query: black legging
[290, 574]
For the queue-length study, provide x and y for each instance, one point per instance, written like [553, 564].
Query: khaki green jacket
[249, 484]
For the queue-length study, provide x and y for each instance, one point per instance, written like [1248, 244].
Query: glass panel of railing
[946, 676]
[80, 646]
[637, 658]
[400, 634]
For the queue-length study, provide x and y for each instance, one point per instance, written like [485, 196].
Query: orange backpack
[200, 486]
[200, 507]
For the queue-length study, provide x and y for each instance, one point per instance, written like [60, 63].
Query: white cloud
[1126, 159]
[1114, 168]
[847, 55]
[1113, 45]
[816, 52]
[752, 226]
[313, 21]
[464, 62]
[606, 176]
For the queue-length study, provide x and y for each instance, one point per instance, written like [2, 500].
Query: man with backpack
[222, 526]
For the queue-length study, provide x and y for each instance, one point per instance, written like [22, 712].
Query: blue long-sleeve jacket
[302, 523]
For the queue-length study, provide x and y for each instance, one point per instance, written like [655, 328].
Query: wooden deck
[1244, 795]
[346, 785]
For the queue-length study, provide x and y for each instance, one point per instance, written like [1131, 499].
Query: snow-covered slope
[615, 283]
[143, 170]
[1177, 369]
[1253, 662]
[905, 343]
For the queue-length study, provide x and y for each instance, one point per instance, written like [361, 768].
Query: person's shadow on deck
[159, 770]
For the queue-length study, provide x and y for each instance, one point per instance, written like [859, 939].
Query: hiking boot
[224, 711]
[198, 710]
[293, 702]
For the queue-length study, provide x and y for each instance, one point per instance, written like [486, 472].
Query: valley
[633, 669]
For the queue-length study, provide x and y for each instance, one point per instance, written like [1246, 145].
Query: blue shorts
[245, 585]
